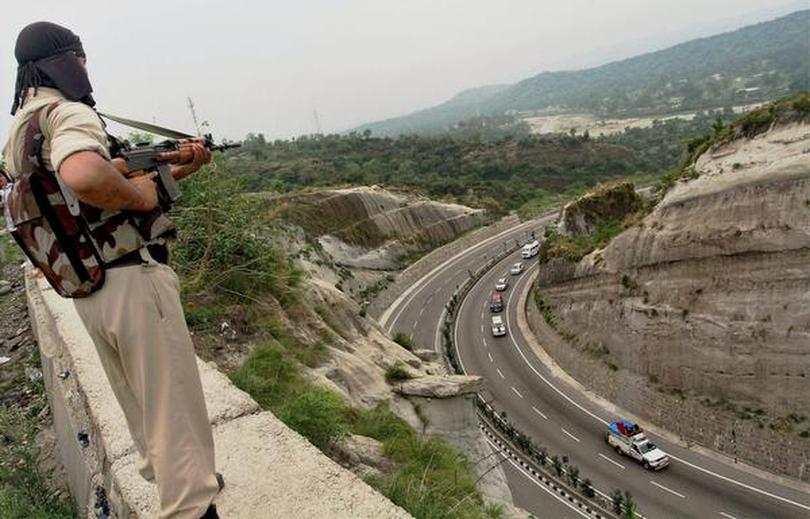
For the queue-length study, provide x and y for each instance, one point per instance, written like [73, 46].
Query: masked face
[50, 55]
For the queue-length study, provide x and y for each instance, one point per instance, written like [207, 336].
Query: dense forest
[492, 163]
[752, 64]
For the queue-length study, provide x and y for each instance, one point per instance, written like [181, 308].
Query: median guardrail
[517, 445]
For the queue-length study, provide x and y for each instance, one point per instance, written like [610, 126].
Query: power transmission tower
[317, 121]
[194, 115]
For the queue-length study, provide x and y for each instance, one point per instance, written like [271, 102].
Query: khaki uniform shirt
[71, 127]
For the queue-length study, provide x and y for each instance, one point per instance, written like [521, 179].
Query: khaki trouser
[137, 324]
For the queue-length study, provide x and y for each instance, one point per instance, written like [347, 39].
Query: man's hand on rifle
[202, 156]
[147, 189]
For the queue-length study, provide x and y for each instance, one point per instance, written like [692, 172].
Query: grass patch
[433, 480]
[23, 491]
[404, 340]
[397, 373]
[574, 248]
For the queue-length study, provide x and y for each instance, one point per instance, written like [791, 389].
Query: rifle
[133, 159]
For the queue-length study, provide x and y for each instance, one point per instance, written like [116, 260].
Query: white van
[530, 249]
[498, 327]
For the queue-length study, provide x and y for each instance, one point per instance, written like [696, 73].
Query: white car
[498, 328]
[516, 269]
[501, 284]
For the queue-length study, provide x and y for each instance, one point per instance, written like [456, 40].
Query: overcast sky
[268, 66]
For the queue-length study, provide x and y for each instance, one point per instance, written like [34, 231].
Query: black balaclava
[48, 55]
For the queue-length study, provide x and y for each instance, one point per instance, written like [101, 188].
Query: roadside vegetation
[491, 164]
[788, 109]
[432, 480]
[26, 490]
[226, 264]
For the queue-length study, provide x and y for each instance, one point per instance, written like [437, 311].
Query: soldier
[135, 319]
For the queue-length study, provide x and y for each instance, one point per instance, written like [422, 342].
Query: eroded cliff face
[369, 227]
[348, 239]
[710, 294]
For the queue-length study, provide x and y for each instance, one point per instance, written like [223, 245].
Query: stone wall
[691, 420]
[266, 465]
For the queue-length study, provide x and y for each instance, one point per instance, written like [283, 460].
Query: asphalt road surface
[557, 416]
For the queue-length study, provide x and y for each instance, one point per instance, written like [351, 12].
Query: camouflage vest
[69, 241]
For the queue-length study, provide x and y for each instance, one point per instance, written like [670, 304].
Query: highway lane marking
[600, 420]
[727, 515]
[490, 357]
[400, 303]
[499, 372]
[662, 487]
[571, 435]
[482, 328]
[611, 461]
[534, 480]
[517, 392]
[422, 310]
[536, 410]
[605, 422]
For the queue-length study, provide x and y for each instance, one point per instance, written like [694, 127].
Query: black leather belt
[159, 253]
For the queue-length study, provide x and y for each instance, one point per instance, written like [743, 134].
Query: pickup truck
[629, 440]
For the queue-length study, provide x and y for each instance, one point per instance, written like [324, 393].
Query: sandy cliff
[710, 294]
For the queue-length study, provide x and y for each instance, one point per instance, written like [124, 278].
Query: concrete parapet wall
[270, 470]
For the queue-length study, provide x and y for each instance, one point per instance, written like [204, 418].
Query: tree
[617, 501]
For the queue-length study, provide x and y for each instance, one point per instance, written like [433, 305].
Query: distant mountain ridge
[755, 63]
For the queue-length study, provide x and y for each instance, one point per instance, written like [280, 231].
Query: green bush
[270, 374]
[222, 247]
[318, 414]
[397, 373]
[404, 340]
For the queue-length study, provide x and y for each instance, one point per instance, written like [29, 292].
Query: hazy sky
[267, 66]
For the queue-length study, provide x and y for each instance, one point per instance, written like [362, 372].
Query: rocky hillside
[709, 295]
[309, 352]
[364, 235]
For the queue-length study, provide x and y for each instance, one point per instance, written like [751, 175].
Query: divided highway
[557, 416]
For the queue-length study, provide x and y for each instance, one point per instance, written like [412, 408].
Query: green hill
[752, 64]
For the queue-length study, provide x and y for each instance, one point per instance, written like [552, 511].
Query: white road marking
[490, 357]
[422, 310]
[611, 461]
[392, 314]
[536, 410]
[482, 327]
[605, 422]
[577, 405]
[727, 515]
[662, 487]
[517, 392]
[484, 341]
[499, 372]
[534, 480]
[571, 435]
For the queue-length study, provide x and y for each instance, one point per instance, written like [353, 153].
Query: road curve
[558, 416]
